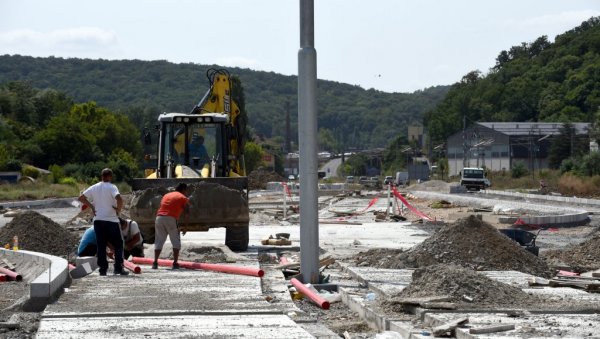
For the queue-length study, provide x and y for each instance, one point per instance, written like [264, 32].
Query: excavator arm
[218, 99]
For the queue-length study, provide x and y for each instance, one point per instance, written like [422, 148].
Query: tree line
[349, 116]
[539, 81]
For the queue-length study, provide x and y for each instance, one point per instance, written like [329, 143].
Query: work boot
[102, 273]
[155, 265]
[175, 266]
[122, 272]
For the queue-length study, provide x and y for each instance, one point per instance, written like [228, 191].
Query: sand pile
[465, 287]
[468, 242]
[40, 234]
[259, 178]
[581, 257]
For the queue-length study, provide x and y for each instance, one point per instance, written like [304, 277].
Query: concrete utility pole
[307, 137]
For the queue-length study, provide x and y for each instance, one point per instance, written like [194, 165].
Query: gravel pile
[468, 242]
[39, 234]
[581, 257]
[464, 287]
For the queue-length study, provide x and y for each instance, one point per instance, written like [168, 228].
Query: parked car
[349, 179]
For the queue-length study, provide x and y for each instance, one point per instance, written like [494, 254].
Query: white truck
[473, 178]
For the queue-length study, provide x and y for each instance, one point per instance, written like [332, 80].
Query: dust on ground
[581, 257]
[38, 233]
[468, 242]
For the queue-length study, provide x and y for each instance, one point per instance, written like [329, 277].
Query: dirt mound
[464, 287]
[581, 257]
[468, 242]
[38, 233]
[204, 254]
[259, 178]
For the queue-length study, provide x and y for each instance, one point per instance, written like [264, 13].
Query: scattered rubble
[580, 258]
[468, 242]
[463, 287]
[39, 233]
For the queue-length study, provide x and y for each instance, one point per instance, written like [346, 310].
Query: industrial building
[499, 145]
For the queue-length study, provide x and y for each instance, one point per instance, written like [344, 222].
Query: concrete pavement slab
[184, 326]
[162, 289]
[529, 326]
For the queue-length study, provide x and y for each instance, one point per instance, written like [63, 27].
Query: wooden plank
[9, 325]
[323, 262]
[422, 300]
[492, 329]
[537, 281]
[8, 265]
[439, 305]
[449, 327]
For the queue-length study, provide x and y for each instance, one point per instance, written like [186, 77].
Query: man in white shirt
[132, 239]
[106, 204]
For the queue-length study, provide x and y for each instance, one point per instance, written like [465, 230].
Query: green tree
[253, 155]
[86, 133]
[565, 145]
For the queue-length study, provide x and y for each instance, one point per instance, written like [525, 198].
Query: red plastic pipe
[10, 274]
[3, 277]
[324, 304]
[251, 271]
[132, 267]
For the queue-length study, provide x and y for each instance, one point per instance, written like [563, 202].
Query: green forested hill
[538, 81]
[143, 89]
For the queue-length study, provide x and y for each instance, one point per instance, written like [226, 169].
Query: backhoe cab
[202, 148]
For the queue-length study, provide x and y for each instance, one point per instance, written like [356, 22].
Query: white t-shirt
[130, 231]
[103, 196]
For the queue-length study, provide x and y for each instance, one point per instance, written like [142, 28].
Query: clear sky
[389, 45]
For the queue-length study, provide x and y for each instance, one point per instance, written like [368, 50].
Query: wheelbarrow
[524, 238]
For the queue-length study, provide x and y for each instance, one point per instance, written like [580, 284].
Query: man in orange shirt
[171, 207]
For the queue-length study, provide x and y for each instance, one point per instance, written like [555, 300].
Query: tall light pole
[307, 136]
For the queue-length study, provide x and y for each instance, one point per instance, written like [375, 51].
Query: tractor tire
[237, 238]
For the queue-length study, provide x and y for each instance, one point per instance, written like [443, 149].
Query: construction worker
[132, 239]
[87, 245]
[106, 206]
[171, 207]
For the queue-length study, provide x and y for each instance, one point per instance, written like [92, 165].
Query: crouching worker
[132, 239]
[87, 245]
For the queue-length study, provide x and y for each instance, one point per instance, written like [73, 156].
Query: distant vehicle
[372, 182]
[362, 179]
[402, 178]
[291, 177]
[388, 180]
[487, 182]
[349, 179]
[473, 178]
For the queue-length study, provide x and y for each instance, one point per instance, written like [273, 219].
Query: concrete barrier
[50, 281]
[573, 200]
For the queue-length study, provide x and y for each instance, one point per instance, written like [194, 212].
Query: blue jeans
[108, 232]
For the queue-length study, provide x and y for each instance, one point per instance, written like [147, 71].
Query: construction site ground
[195, 303]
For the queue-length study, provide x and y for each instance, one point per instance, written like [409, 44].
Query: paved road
[331, 167]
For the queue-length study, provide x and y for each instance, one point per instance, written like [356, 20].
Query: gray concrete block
[81, 271]
[92, 261]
